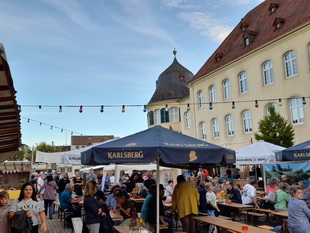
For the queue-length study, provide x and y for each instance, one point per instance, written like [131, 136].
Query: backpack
[273, 198]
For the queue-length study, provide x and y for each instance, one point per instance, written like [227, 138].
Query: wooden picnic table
[229, 225]
[116, 216]
[282, 214]
[235, 205]
[137, 200]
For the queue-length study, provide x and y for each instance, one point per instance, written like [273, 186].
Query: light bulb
[166, 109]
[280, 102]
[233, 106]
[81, 109]
[210, 106]
[188, 107]
[101, 109]
[144, 108]
[123, 108]
[256, 104]
[60, 108]
[304, 100]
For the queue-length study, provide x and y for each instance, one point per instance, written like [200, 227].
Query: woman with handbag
[27, 202]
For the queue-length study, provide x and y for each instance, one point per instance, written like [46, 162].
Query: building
[264, 61]
[79, 142]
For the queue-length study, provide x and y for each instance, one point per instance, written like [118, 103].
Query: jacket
[21, 223]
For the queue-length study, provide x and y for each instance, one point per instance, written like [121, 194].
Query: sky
[103, 52]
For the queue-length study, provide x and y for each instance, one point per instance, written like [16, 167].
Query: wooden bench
[77, 225]
[252, 216]
[225, 217]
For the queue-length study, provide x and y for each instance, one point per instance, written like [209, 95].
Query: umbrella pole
[157, 194]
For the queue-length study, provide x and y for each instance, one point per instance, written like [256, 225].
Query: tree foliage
[23, 153]
[275, 129]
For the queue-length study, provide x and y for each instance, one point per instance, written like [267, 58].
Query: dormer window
[248, 37]
[218, 57]
[244, 26]
[273, 7]
[278, 23]
[182, 77]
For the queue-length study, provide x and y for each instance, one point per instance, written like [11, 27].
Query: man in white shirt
[40, 183]
[112, 180]
[249, 194]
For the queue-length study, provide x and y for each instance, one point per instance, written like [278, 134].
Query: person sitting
[151, 211]
[125, 206]
[249, 194]
[282, 198]
[233, 193]
[66, 201]
[110, 201]
[142, 191]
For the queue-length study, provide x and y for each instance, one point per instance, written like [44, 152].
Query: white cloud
[184, 4]
[207, 25]
[138, 16]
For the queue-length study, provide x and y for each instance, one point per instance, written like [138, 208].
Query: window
[187, 119]
[268, 72]
[216, 128]
[212, 94]
[62, 170]
[297, 111]
[200, 99]
[290, 64]
[275, 106]
[69, 169]
[227, 92]
[151, 117]
[77, 147]
[203, 130]
[174, 114]
[164, 115]
[230, 125]
[247, 121]
[246, 41]
[243, 82]
[157, 116]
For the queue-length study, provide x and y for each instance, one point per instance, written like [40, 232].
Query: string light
[123, 108]
[233, 106]
[19, 108]
[28, 120]
[40, 106]
[62, 130]
[304, 100]
[101, 109]
[210, 106]
[280, 103]
[256, 104]
[144, 108]
[40, 123]
[81, 109]
[51, 127]
[60, 108]
[188, 107]
[166, 109]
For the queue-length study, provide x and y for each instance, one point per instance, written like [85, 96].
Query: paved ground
[55, 226]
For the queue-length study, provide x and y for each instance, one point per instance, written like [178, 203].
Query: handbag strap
[4, 212]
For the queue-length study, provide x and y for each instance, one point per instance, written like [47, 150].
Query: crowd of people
[193, 193]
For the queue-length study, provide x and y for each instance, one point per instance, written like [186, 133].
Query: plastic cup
[245, 228]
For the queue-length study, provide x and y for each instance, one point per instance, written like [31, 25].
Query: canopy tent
[258, 153]
[174, 150]
[162, 145]
[295, 153]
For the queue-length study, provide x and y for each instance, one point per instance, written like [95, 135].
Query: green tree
[23, 153]
[275, 129]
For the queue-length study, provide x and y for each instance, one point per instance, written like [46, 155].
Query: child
[5, 224]
[211, 200]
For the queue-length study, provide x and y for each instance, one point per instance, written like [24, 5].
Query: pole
[157, 194]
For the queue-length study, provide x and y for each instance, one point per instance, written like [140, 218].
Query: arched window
[216, 128]
[230, 125]
[212, 94]
[187, 119]
[203, 130]
[268, 73]
[297, 111]
[174, 114]
[151, 118]
[274, 106]
[226, 87]
[200, 99]
[243, 81]
[157, 116]
[290, 64]
[247, 121]
[164, 115]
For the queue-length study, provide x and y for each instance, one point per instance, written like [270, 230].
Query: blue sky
[103, 52]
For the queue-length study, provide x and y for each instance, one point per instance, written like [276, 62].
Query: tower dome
[171, 83]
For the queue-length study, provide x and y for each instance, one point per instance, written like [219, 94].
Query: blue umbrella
[174, 150]
[298, 152]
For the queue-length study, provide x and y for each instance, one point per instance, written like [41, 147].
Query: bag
[106, 224]
[273, 198]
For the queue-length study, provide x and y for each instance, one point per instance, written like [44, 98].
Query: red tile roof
[261, 21]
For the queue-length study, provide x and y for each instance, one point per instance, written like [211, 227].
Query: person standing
[5, 224]
[78, 182]
[27, 201]
[112, 180]
[40, 183]
[249, 194]
[33, 181]
[50, 188]
[185, 201]
[202, 197]
[149, 181]
[63, 182]
[92, 176]
[298, 212]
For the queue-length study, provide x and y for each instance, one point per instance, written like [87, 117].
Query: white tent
[258, 153]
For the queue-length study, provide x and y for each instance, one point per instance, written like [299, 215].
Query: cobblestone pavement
[55, 226]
